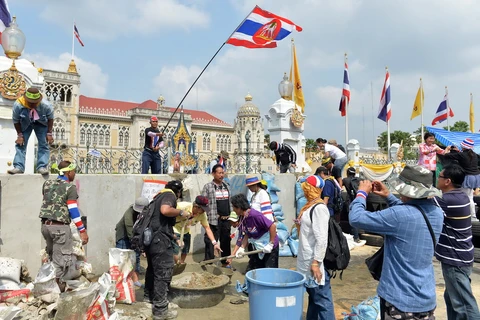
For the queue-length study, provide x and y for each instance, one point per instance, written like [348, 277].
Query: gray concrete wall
[103, 200]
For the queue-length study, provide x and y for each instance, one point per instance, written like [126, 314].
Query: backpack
[141, 228]
[337, 201]
[337, 255]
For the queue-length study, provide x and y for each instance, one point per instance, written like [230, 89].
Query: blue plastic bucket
[274, 293]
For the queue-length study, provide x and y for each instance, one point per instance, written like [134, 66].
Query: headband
[70, 167]
[33, 96]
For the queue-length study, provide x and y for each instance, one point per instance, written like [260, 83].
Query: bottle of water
[147, 236]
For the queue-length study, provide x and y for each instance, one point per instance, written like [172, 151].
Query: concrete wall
[103, 200]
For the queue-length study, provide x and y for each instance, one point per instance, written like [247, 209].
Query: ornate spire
[72, 67]
[248, 97]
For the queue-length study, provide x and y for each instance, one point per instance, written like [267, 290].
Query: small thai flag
[77, 34]
[385, 111]
[345, 100]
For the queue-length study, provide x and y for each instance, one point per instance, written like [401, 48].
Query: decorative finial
[248, 97]
[72, 67]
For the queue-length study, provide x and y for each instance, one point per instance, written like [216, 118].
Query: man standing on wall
[455, 248]
[160, 251]
[59, 208]
[218, 212]
[30, 113]
[151, 156]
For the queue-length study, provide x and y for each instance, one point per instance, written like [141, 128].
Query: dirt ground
[356, 286]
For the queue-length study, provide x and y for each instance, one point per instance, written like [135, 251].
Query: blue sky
[137, 50]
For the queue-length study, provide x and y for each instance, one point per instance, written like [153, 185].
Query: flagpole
[198, 77]
[292, 74]
[422, 102]
[388, 124]
[472, 114]
[73, 41]
[346, 106]
[448, 107]
[373, 114]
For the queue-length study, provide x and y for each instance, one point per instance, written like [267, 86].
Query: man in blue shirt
[30, 113]
[328, 192]
[455, 248]
[407, 284]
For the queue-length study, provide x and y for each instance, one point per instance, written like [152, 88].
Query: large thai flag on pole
[442, 114]
[385, 111]
[262, 29]
[77, 35]
[345, 100]
[5, 17]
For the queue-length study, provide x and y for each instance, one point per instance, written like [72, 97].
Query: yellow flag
[297, 83]
[472, 115]
[418, 104]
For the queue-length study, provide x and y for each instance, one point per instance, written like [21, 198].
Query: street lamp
[247, 161]
[285, 88]
[13, 40]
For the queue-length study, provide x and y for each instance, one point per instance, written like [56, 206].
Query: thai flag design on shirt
[266, 207]
[75, 215]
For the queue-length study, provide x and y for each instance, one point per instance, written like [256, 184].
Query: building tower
[248, 138]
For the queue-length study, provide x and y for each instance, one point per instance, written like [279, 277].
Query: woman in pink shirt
[428, 153]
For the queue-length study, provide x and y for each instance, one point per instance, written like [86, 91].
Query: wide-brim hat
[33, 95]
[140, 203]
[414, 182]
[251, 180]
[224, 154]
[233, 217]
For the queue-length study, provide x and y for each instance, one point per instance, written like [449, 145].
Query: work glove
[268, 248]
[240, 253]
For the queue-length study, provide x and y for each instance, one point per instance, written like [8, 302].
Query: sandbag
[274, 197]
[281, 226]
[298, 191]
[45, 282]
[300, 203]
[10, 270]
[122, 262]
[366, 310]
[282, 235]
[280, 218]
[284, 251]
[294, 233]
[278, 214]
[293, 244]
[100, 310]
[276, 207]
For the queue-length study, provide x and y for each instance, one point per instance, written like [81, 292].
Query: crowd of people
[425, 220]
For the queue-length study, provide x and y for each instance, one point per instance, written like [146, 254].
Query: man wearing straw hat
[31, 113]
[59, 208]
[407, 282]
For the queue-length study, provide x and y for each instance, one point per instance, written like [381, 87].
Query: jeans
[43, 155]
[320, 302]
[341, 162]
[460, 301]
[221, 232]
[284, 168]
[151, 159]
[125, 244]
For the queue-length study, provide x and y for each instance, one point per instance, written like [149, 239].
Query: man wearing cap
[285, 156]
[153, 142]
[124, 228]
[339, 158]
[333, 142]
[407, 285]
[221, 159]
[197, 211]
[59, 208]
[334, 171]
[31, 113]
[351, 185]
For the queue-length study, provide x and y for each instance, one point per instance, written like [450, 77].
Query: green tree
[459, 126]
[397, 137]
[310, 145]
[267, 141]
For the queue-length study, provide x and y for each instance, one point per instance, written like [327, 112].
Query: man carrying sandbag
[59, 208]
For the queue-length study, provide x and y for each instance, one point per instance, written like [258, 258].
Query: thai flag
[345, 100]
[385, 111]
[441, 114]
[5, 17]
[262, 29]
[77, 34]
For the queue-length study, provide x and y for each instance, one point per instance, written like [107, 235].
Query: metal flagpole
[373, 115]
[448, 107]
[198, 77]
[73, 41]
[422, 103]
[346, 105]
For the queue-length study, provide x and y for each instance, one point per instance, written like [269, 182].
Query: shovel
[180, 267]
[229, 257]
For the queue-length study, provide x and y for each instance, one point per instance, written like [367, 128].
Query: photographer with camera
[407, 283]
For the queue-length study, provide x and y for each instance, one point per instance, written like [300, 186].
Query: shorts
[186, 240]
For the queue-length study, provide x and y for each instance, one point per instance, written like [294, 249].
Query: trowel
[180, 267]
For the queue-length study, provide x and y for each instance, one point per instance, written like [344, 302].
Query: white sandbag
[10, 270]
[122, 262]
[45, 282]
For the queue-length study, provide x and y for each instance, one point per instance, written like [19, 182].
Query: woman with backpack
[312, 249]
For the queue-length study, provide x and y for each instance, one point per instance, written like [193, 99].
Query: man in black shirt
[284, 155]
[160, 251]
[150, 155]
[334, 171]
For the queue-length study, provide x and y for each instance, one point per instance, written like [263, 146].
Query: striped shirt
[261, 202]
[455, 245]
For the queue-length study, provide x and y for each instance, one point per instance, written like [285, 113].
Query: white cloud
[106, 20]
[93, 80]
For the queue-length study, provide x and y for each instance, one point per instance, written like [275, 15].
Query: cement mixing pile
[193, 290]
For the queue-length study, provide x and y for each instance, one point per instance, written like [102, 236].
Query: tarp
[449, 138]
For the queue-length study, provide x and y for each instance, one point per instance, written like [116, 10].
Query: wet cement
[356, 286]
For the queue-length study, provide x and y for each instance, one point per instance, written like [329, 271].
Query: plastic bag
[77, 242]
[99, 310]
[367, 310]
[293, 244]
[15, 296]
[122, 262]
[282, 235]
[75, 304]
[10, 273]
[45, 282]
[285, 251]
[281, 226]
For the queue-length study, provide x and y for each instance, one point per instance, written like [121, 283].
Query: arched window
[62, 133]
[89, 136]
[95, 136]
[101, 138]
[125, 143]
[120, 138]
[82, 136]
